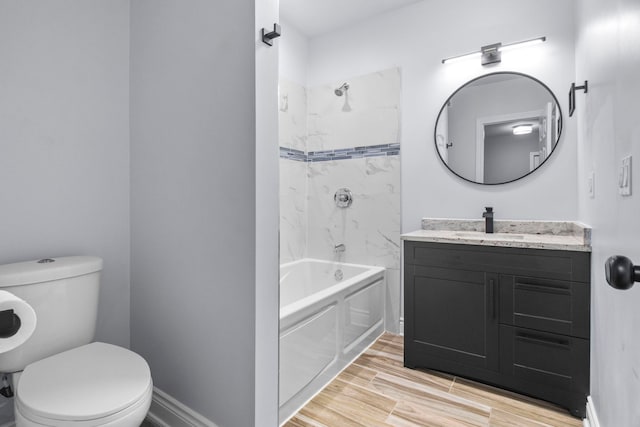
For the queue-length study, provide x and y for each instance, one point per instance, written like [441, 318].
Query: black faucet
[488, 219]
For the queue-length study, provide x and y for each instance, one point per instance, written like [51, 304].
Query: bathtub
[329, 313]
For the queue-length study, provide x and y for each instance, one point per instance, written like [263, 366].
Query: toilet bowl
[96, 384]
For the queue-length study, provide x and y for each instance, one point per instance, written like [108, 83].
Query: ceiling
[317, 17]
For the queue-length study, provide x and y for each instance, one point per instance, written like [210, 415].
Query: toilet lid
[92, 381]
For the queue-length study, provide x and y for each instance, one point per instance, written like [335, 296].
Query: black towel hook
[267, 38]
[572, 95]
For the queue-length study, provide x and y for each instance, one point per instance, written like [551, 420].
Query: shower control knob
[343, 198]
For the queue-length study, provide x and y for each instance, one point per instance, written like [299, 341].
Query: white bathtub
[325, 323]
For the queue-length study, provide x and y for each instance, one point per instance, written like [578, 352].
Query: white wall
[204, 301]
[294, 52]
[608, 55]
[267, 275]
[416, 38]
[64, 141]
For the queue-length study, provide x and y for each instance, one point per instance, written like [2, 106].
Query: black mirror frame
[560, 125]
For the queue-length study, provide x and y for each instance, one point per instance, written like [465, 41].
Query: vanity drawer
[549, 360]
[555, 306]
[542, 263]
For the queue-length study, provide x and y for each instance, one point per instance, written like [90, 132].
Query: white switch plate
[624, 177]
[591, 184]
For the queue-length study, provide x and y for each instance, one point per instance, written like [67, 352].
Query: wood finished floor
[376, 390]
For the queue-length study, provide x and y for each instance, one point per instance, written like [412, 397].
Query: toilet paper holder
[9, 323]
[18, 321]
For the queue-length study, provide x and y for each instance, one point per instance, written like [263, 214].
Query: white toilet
[60, 377]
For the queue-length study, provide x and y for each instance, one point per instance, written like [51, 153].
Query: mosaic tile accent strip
[340, 154]
[293, 154]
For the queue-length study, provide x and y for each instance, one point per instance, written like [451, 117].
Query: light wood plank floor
[376, 390]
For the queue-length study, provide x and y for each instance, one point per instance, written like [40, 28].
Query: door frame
[481, 122]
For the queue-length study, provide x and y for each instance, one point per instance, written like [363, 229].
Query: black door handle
[620, 272]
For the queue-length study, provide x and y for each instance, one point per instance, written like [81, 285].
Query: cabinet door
[451, 318]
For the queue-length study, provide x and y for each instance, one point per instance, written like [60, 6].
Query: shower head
[342, 89]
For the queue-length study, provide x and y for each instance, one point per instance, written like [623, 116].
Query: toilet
[59, 376]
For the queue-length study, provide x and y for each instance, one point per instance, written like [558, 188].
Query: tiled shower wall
[351, 141]
[292, 122]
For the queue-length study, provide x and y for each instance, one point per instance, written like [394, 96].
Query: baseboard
[592, 416]
[166, 411]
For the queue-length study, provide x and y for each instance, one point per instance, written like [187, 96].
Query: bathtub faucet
[339, 248]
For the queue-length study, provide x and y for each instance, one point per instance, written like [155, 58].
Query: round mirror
[498, 128]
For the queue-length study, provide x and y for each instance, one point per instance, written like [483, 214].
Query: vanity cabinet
[511, 317]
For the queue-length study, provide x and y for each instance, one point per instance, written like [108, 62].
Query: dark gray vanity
[509, 309]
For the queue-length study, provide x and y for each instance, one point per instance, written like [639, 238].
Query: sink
[488, 236]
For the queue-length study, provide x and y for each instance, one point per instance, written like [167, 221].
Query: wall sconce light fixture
[492, 53]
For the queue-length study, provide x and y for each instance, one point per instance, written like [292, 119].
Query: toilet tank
[64, 295]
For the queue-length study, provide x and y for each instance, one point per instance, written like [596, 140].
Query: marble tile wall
[292, 115]
[370, 227]
[293, 210]
[292, 123]
[368, 114]
[366, 124]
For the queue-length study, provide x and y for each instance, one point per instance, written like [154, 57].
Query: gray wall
[267, 273]
[608, 55]
[506, 157]
[64, 141]
[193, 200]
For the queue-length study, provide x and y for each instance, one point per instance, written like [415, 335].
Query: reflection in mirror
[498, 128]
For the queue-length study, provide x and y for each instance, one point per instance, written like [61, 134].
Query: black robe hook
[267, 38]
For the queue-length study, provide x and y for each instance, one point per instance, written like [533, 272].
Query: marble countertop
[557, 235]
